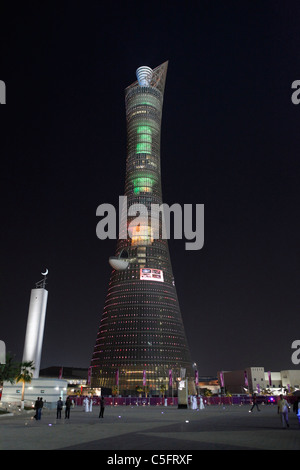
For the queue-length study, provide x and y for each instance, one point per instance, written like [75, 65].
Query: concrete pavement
[154, 428]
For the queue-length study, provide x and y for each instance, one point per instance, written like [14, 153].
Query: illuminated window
[144, 139]
[143, 184]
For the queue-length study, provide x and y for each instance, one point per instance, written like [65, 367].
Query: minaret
[35, 325]
[141, 339]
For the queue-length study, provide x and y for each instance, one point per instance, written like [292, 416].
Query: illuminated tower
[141, 339]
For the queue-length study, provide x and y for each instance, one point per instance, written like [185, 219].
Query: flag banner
[258, 388]
[246, 378]
[170, 378]
[117, 377]
[60, 373]
[144, 378]
[222, 379]
[270, 380]
[196, 378]
[89, 376]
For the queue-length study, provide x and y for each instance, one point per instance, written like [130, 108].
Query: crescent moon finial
[45, 273]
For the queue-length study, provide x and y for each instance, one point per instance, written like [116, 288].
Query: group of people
[59, 408]
[194, 404]
[38, 408]
[283, 409]
[88, 405]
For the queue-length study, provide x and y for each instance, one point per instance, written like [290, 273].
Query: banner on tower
[148, 274]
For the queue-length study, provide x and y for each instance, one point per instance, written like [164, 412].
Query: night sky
[230, 140]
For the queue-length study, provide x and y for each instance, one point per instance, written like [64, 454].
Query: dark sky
[230, 141]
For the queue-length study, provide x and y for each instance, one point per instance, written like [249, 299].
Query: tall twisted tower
[141, 339]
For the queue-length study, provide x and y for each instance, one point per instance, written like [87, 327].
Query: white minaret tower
[35, 325]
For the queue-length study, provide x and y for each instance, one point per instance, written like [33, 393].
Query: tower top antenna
[144, 75]
[41, 284]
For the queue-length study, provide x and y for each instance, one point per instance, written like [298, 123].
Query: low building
[285, 379]
[290, 378]
[76, 377]
[240, 381]
[273, 380]
[49, 389]
[256, 380]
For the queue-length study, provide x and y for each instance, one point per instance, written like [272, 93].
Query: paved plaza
[152, 428]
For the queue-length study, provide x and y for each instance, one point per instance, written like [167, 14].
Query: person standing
[193, 402]
[102, 406]
[86, 404]
[68, 407]
[91, 405]
[254, 403]
[296, 406]
[201, 404]
[283, 410]
[36, 407]
[40, 405]
[59, 408]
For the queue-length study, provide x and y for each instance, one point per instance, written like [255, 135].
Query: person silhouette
[254, 401]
